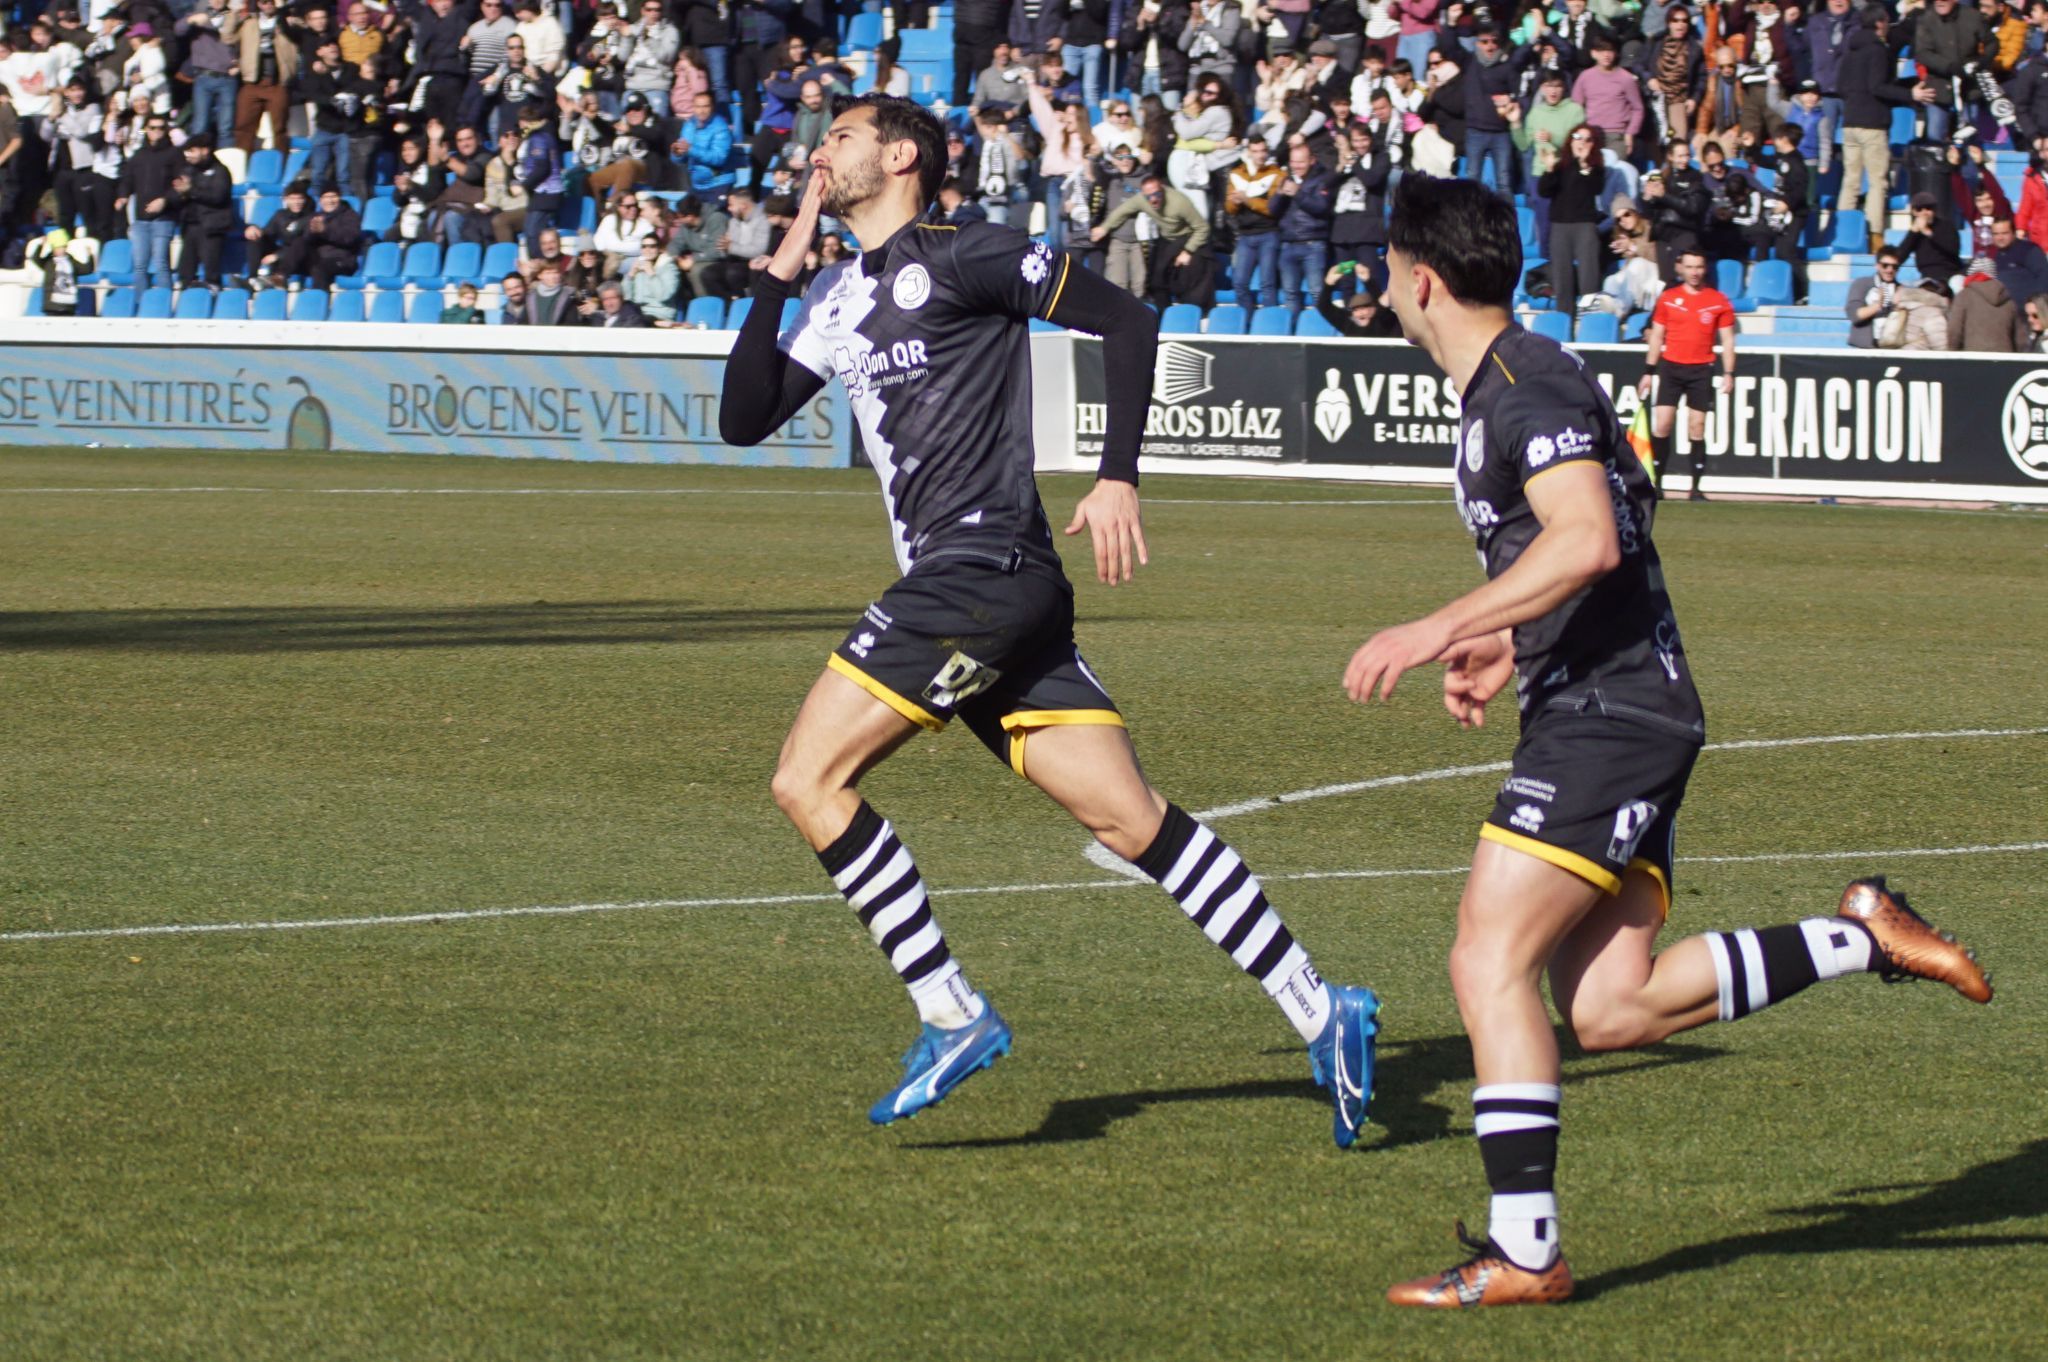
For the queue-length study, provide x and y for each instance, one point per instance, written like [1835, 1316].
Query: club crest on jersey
[1475, 445]
[912, 289]
[1037, 263]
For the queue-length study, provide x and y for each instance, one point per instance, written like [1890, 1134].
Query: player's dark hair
[901, 120]
[1463, 231]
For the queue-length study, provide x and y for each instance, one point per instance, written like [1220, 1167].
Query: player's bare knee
[796, 792]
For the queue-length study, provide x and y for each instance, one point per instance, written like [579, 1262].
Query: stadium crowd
[635, 155]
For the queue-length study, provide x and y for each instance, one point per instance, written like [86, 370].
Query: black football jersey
[1613, 647]
[927, 333]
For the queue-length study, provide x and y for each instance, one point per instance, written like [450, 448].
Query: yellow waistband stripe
[1020, 724]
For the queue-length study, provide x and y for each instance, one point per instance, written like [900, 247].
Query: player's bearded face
[855, 176]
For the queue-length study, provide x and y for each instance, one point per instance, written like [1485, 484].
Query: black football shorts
[1693, 382]
[1596, 795]
[995, 647]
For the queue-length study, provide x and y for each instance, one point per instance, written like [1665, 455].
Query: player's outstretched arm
[763, 386]
[1130, 334]
[1577, 546]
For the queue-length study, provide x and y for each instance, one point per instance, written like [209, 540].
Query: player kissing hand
[796, 241]
[1111, 514]
[1390, 652]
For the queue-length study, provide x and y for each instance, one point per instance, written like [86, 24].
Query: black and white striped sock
[874, 871]
[1517, 1125]
[1758, 966]
[1222, 897]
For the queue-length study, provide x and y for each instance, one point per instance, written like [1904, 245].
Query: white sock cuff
[1832, 960]
[1724, 976]
[1522, 1092]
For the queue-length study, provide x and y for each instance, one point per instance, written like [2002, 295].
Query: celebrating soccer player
[1573, 869]
[927, 330]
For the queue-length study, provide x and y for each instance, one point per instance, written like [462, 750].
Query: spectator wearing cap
[147, 183]
[704, 143]
[330, 246]
[209, 69]
[1123, 259]
[626, 153]
[267, 58]
[1984, 318]
[144, 70]
[277, 233]
[1361, 317]
[540, 168]
[207, 212]
[1611, 97]
[1931, 241]
[1806, 113]
[697, 241]
[1327, 76]
[652, 281]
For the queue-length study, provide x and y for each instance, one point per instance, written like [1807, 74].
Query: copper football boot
[1908, 945]
[1487, 1278]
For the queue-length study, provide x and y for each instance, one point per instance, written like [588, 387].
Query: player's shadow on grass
[336, 628]
[1409, 1106]
[1861, 1219]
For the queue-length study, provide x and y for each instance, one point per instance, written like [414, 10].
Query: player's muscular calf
[839, 735]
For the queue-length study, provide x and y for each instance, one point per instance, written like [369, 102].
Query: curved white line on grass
[782, 900]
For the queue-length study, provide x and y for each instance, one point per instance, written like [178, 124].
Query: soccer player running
[1573, 868]
[1688, 323]
[927, 328]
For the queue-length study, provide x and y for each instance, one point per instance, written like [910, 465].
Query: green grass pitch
[353, 688]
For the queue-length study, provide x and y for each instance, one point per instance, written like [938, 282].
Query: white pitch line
[670, 492]
[1454, 772]
[784, 900]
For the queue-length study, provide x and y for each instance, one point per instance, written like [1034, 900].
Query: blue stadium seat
[422, 264]
[927, 44]
[309, 305]
[380, 268]
[35, 303]
[587, 222]
[381, 215]
[1770, 283]
[194, 305]
[345, 307]
[500, 260]
[268, 306]
[121, 303]
[387, 307]
[425, 309]
[1040, 324]
[708, 312]
[1180, 319]
[261, 211]
[864, 32]
[1312, 324]
[790, 307]
[1852, 232]
[1633, 328]
[1272, 321]
[265, 167]
[294, 166]
[738, 314]
[1227, 320]
[1525, 219]
[231, 305]
[1599, 328]
[1728, 278]
[1903, 118]
[465, 261]
[155, 304]
[1827, 292]
[116, 263]
[1554, 325]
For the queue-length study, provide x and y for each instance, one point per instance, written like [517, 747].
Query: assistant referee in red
[1691, 321]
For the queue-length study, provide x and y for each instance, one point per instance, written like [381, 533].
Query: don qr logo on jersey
[912, 288]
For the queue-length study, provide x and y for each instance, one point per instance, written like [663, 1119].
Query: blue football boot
[1341, 1058]
[939, 1060]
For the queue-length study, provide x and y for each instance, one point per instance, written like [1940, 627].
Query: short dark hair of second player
[1465, 232]
[901, 120]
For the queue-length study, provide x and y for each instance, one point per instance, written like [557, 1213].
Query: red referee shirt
[1691, 321]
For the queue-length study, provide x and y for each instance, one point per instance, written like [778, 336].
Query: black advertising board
[1798, 417]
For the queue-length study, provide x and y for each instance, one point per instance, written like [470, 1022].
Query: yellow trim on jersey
[1504, 368]
[1590, 871]
[1066, 268]
[1546, 472]
[1020, 724]
[938, 226]
[917, 714]
[1655, 872]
